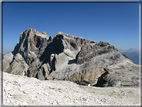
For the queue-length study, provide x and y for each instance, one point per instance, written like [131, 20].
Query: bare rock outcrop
[90, 75]
[7, 60]
[18, 66]
[67, 57]
[88, 51]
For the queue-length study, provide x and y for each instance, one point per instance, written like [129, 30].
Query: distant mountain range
[132, 53]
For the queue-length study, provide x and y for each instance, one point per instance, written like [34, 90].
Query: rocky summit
[70, 58]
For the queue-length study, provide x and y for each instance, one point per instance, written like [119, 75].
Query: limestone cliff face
[67, 57]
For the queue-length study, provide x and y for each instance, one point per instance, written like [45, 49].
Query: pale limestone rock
[67, 57]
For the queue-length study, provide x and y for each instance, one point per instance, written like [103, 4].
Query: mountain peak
[70, 58]
[131, 50]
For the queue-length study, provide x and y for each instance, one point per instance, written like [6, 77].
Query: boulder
[90, 75]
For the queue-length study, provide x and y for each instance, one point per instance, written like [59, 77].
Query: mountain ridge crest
[70, 58]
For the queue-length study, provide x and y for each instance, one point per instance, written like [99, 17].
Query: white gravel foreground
[21, 90]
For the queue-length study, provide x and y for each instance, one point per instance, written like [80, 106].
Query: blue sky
[116, 23]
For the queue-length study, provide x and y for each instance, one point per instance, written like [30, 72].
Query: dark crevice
[37, 75]
[43, 71]
[28, 73]
[72, 61]
[37, 42]
[101, 81]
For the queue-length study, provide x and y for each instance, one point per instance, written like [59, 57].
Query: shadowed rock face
[70, 58]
